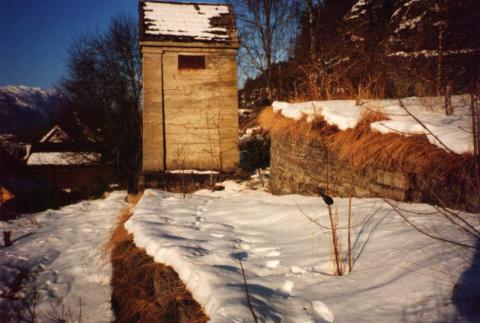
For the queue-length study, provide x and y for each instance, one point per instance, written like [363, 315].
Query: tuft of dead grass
[281, 127]
[361, 148]
[142, 289]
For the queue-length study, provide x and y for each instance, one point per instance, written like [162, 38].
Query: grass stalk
[349, 225]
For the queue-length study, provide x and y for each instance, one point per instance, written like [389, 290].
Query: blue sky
[36, 34]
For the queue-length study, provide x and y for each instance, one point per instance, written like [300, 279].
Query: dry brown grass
[142, 289]
[119, 234]
[181, 183]
[282, 127]
[361, 148]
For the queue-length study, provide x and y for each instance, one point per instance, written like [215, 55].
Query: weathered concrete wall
[201, 112]
[299, 167]
[152, 111]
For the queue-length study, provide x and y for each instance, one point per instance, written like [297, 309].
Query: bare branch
[424, 231]
[247, 293]
[425, 127]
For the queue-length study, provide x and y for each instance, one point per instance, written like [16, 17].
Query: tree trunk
[448, 99]
[267, 7]
[312, 47]
[311, 31]
[475, 136]
[438, 80]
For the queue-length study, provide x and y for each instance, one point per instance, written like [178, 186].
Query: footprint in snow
[267, 251]
[297, 270]
[321, 312]
[245, 246]
[272, 264]
[273, 253]
[288, 286]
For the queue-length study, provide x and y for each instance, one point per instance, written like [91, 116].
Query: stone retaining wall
[307, 167]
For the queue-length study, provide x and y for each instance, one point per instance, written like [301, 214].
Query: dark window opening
[191, 62]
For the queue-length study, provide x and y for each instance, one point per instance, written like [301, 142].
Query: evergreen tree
[436, 41]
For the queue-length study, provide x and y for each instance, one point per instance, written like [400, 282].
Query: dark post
[448, 99]
[7, 238]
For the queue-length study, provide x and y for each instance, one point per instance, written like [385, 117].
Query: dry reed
[281, 127]
[137, 281]
[361, 148]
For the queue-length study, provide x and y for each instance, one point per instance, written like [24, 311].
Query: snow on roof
[187, 22]
[62, 158]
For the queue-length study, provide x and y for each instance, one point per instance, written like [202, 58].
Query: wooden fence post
[448, 99]
[7, 238]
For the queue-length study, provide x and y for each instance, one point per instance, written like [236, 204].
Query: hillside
[26, 110]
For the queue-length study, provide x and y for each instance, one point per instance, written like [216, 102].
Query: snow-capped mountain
[25, 110]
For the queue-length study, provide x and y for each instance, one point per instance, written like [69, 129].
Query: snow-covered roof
[62, 158]
[187, 22]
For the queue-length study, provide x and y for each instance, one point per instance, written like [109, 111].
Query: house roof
[187, 22]
[62, 158]
[56, 135]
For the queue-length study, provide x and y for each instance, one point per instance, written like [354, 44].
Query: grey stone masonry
[308, 167]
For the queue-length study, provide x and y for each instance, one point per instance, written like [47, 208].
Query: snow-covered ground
[453, 131]
[399, 274]
[57, 254]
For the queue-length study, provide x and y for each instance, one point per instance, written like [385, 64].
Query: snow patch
[322, 311]
[453, 131]
[61, 251]
[297, 284]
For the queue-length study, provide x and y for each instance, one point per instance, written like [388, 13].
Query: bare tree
[103, 86]
[266, 30]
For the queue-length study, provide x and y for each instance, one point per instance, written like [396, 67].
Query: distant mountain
[27, 110]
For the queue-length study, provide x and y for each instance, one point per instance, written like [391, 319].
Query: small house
[190, 105]
[67, 164]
